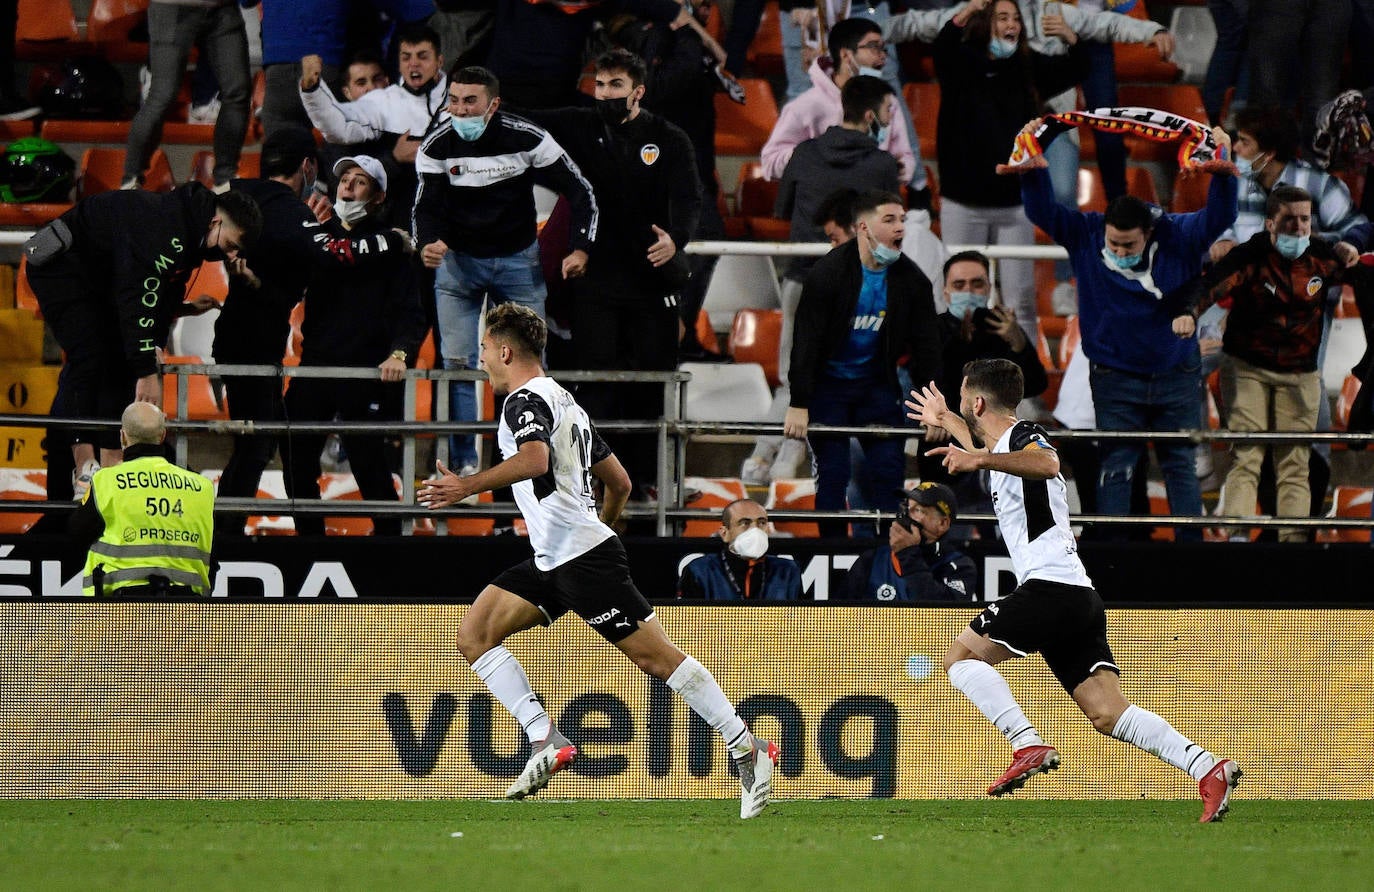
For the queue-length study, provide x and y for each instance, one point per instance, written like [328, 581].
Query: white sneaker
[756, 777]
[788, 464]
[204, 114]
[755, 471]
[81, 482]
[552, 756]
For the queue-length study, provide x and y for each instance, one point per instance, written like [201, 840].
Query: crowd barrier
[212, 700]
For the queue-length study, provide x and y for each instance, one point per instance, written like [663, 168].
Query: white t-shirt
[1033, 515]
[558, 506]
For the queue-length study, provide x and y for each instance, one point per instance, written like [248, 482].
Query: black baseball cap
[934, 495]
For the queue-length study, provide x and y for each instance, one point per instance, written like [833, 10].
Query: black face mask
[613, 111]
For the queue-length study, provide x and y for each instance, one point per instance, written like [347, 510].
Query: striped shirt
[1334, 215]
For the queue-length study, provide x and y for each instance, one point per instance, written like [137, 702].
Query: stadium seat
[764, 55]
[725, 392]
[1348, 501]
[1345, 346]
[794, 495]
[1340, 415]
[203, 167]
[1092, 194]
[22, 484]
[1180, 99]
[755, 199]
[706, 335]
[46, 30]
[710, 492]
[296, 339]
[24, 298]
[1190, 192]
[255, 101]
[269, 487]
[64, 130]
[31, 215]
[203, 400]
[755, 336]
[1045, 283]
[110, 24]
[342, 486]
[923, 101]
[1138, 62]
[102, 170]
[743, 129]
[1068, 342]
[740, 281]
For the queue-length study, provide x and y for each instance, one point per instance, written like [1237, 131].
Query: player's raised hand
[956, 459]
[927, 405]
[446, 489]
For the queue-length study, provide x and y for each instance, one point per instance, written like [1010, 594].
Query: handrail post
[408, 455]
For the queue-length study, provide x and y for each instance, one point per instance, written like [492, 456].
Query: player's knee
[1103, 723]
[472, 643]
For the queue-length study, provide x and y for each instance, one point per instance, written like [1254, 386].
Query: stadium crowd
[562, 155]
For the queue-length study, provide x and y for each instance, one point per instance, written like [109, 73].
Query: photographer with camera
[918, 563]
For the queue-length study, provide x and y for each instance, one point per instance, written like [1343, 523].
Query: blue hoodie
[1126, 320]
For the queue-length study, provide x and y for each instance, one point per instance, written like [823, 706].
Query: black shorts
[596, 586]
[1065, 623]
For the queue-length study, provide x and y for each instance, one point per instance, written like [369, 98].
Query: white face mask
[350, 211]
[751, 544]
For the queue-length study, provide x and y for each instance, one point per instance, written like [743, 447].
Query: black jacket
[254, 322]
[643, 174]
[145, 245]
[364, 305]
[984, 103]
[956, 352]
[836, 159]
[828, 299]
[476, 195]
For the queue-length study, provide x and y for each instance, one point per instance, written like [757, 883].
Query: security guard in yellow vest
[151, 523]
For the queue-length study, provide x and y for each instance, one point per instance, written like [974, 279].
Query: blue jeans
[1164, 401]
[460, 284]
[855, 402]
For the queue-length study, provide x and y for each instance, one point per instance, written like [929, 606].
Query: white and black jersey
[1033, 515]
[478, 197]
[558, 506]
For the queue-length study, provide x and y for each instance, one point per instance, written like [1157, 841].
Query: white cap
[371, 166]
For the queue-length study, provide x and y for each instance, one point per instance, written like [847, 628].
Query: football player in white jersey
[1054, 609]
[550, 453]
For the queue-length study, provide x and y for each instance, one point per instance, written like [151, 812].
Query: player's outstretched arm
[927, 405]
[449, 489]
[616, 485]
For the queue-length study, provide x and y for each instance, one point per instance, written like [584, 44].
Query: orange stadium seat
[765, 50]
[342, 486]
[711, 492]
[295, 340]
[743, 129]
[1347, 308]
[255, 101]
[109, 25]
[46, 30]
[1348, 501]
[923, 100]
[21, 484]
[102, 170]
[203, 167]
[202, 400]
[794, 495]
[706, 335]
[24, 298]
[1138, 62]
[1190, 192]
[31, 215]
[754, 201]
[1340, 416]
[755, 336]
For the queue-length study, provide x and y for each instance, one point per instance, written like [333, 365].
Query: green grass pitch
[665, 845]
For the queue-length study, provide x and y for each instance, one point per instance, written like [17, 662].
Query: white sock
[506, 679]
[988, 691]
[1142, 728]
[695, 684]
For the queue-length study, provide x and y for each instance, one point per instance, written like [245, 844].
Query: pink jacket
[811, 114]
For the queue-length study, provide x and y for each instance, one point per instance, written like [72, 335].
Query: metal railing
[672, 433]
